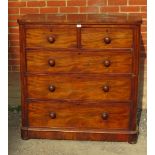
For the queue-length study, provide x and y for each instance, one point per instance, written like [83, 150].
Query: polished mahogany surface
[81, 18]
[79, 76]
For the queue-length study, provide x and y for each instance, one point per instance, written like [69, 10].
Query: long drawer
[76, 86]
[78, 116]
[79, 62]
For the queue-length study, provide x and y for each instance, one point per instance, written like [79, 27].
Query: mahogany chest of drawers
[79, 76]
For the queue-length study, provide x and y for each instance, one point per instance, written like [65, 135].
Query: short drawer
[51, 38]
[102, 38]
[79, 62]
[78, 116]
[79, 87]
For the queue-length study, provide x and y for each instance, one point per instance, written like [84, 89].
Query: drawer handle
[107, 40]
[105, 115]
[51, 62]
[52, 88]
[106, 88]
[53, 115]
[51, 39]
[107, 63]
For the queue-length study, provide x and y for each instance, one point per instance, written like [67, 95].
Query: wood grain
[64, 37]
[76, 87]
[78, 116]
[79, 62]
[79, 83]
[58, 19]
[94, 38]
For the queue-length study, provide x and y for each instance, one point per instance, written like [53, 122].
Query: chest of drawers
[79, 76]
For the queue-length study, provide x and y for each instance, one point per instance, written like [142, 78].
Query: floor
[17, 146]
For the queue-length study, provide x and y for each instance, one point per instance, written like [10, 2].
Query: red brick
[13, 17]
[14, 62]
[130, 9]
[144, 35]
[97, 2]
[29, 10]
[76, 3]
[14, 49]
[144, 22]
[36, 3]
[13, 11]
[10, 24]
[49, 10]
[68, 9]
[109, 9]
[143, 9]
[117, 2]
[16, 4]
[143, 28]
[56, 3]
[137, 2]
[14, 56]
[89, 9]
[13, 36]
[13, 30]
[14, 43]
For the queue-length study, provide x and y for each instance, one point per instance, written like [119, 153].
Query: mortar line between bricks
[86, 3]
[66, 2]
[127, 2]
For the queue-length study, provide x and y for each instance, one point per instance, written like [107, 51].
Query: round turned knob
[105, 88]
[104, 115]
[107, 40]
[107, 63]
[52, 115]
[51, 62]
[51, 39]
[52, 88]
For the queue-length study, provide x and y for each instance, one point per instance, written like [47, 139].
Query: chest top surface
[79, 19]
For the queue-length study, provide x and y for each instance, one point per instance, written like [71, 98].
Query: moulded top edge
[80, 19]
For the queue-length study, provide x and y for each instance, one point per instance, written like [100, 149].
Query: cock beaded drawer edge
[79, 76]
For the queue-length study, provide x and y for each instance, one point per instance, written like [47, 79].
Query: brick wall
[20, 7]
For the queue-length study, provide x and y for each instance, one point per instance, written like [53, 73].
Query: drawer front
[79, 62]
[102, 38]
[79, 87]
[81, 116]
[51, 38]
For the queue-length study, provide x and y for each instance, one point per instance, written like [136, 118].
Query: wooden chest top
[80, 19]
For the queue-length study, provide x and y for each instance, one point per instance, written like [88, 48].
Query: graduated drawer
[78, 116]
[104, 38]
[79, 87]
[51, 37]
[79, 62]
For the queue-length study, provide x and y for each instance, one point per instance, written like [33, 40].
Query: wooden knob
[52, 88]
[52, 115]
[107, 40]
[51, 39]
[104, 115]
[51, 62]
[105, 88]
[107, 63]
